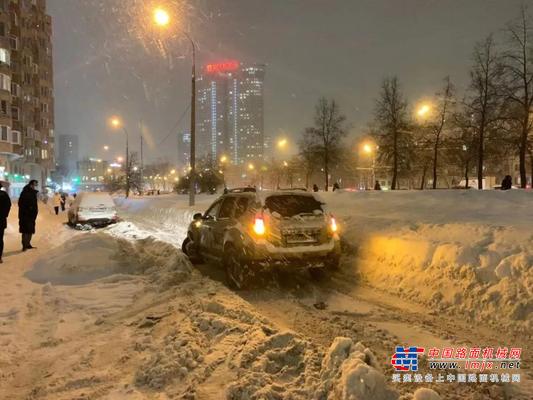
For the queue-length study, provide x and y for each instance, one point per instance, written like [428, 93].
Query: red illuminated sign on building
[225, 66]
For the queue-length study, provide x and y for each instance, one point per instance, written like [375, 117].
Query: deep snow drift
[466, 252]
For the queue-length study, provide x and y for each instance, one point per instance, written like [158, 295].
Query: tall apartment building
[230, 108]
[26, 93]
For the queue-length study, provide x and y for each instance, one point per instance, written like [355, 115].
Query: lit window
[5, 82]
[4, 56]
[4, 133]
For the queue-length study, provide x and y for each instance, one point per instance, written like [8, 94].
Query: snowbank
[464, 252]
[223, 348]
[97, 256]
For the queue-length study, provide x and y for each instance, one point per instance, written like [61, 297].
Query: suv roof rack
[243, 190]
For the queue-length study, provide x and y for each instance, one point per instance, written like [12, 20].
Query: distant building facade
[184, 149]
[230, 112]
[26, 93]
[91, 174]
[68, 154]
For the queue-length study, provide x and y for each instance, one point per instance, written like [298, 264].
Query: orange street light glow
[161, 17]
[115, 122]
[367, 148]
[423, 110]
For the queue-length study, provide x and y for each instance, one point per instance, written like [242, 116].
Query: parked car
[94, 208]
[246, 231]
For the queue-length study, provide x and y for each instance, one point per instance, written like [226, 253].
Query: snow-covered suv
[247, 230]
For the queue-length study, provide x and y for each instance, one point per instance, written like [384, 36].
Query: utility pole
[141, 184]
[128, 171]
[192, 188]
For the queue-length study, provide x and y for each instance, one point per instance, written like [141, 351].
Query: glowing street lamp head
[115, 122]
[120, 159]
[223, 159]
[161, 17]
[106, 147]
[423, 110]
[251, 166]
[282, 143]
[367, 148]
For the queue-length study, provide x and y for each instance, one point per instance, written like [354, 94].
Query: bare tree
[484, 101]
[461, 145]
[437, 126]
[309, 157]
[518, 64]
[327, 133]
[392, 123]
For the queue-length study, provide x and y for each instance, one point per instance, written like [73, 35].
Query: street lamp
[282, 143]
[162, 19]
[116, 123]
[106, 147]
[223, 161]
[370, 150]
[423, 110]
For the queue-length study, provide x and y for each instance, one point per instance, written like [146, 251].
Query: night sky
[108, 60]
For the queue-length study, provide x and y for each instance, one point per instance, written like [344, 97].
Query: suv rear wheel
[189, 249]
[238, 269]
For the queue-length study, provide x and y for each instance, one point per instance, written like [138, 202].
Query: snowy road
[340, 306]
[87, 316]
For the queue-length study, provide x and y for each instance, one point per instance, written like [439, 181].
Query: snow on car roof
[96, 198]
[264, 194]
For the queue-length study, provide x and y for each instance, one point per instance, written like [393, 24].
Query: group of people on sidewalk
[59, 202]
[28, 210]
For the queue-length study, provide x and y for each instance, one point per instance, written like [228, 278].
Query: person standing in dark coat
[5, 207]
[315, 188]
[28, 211]
[507, 182]
[377, 186]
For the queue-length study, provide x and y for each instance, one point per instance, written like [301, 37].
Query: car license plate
[300, 238]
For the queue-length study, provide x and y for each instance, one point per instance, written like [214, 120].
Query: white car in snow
[91, 208]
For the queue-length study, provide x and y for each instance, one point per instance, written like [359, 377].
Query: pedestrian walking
[63, 201]
[315, 188]
[5, 207]
[377, 186]
[56, 202]
[28, 211]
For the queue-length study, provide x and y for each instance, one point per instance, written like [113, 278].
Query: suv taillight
[333, 225]
[259, 226]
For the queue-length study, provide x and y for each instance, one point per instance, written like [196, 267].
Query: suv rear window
[291, 205]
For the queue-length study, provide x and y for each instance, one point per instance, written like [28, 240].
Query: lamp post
[116, 123]
[370, 150]
[162, 18]
[223, 161]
